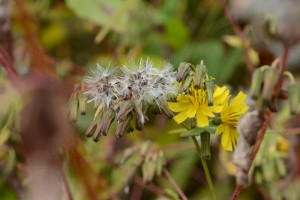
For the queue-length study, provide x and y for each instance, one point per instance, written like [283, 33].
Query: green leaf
[177, 131]
[101, 12]
[211, 129]
[193, 132]
[176, 33]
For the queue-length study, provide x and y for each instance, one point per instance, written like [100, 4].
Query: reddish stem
[173, 182]
[267, 119]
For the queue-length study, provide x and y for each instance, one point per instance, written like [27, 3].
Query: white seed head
[99, 86]
[140, 82]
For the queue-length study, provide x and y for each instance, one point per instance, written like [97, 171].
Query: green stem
[206, 172]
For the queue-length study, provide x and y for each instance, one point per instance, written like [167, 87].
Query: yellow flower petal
[178, 106]
[191, 112]
[181, 117]
[238, 104]
[226, 139]
[183, 98]
[202, 119]
[219, 130]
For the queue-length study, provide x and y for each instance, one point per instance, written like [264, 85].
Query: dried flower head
[100, 86]
[129, 91]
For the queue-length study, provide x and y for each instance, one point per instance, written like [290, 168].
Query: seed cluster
[120, 93]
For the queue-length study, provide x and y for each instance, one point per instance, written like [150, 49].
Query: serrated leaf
[177, 131]
[193, 132]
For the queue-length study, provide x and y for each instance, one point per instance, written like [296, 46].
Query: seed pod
[121, 127]
[125, 108]
[256, 83]
[186, 84]
[199, 74]
[293, 95]
[73, 106]
[82, 103]
[183, 71]
[94, 129]
[140, 118]
[107, 119]
[91, 130]
[97, 133]
[270, 80]
[205, 145]
[129, 128]
[210, 87]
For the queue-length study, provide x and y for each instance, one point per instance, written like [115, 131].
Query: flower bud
[293, 95]
[125, 108]
[107, 118]
[205, 145]
[199, 74]
[82, 103]
[210, 87]
[183, 71]
[186, 84]
[121, 127]
[256, 83]
[73, 106]
[270, 81]
[140, 118]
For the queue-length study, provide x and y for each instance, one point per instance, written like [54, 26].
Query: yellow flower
[230, 116]
[195, 104]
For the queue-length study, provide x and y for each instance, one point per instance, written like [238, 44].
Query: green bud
[186, 84]
[82, 103]
[256, 83]
[293, 94]
[210, 87]
[199, 74]
[270, 80]
[125, 108]
[73, 107]
[121, 127]
[216, 121]
[107, 119]
[205, 145]
[183, 70]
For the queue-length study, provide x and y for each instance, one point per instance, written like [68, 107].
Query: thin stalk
[206, 171]
[175, 185]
